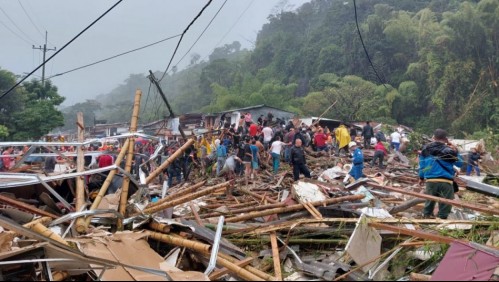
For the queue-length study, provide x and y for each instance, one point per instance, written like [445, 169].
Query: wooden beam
[413, 233]
[437, 199]
[219, 273]
[25, 207]
[275, 256]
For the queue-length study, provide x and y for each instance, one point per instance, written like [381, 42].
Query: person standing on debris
[357, 159]
[473, 159]
[268, 133]
[395, 140]
[379, 154]
[380, 136]
[353, 132]
[342, 137]
[299, 161]
[221, 155]
[367, 133]
[436, 168]
[247, 119]
[247, 159]
[253, 130]
[255, 162]
[320, 140]
[275, 153]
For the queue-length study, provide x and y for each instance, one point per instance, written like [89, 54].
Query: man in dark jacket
[367, 133]
[436, 167]
[298, 161]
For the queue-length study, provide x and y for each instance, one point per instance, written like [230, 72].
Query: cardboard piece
[364, 244]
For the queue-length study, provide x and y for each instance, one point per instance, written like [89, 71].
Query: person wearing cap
[357, 159]
[436, 168]
[298, 161]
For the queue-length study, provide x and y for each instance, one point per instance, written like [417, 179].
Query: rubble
[208, 228]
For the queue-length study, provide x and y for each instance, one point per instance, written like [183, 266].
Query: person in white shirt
[275, 153]
[268, 133]
[395, 140]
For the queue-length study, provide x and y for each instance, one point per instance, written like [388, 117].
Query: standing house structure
[213, 120]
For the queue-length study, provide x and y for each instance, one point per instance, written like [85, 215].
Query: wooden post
[275, 256]
[437, 199]
[80, 167]
[164, 165]
[129, 158]
[103, 189]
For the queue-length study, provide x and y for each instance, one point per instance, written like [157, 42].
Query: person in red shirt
[380, 153]
[320, 140]
[105, 160]
[253, 130]
[8, 162]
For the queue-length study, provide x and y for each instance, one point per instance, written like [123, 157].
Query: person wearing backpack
[436, 169]
[221, 155]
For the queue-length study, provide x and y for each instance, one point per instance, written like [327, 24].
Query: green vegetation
[438, 61]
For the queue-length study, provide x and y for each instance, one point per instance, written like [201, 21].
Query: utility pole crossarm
[45, 50]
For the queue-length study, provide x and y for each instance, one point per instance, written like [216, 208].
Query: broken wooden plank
[275, 256]
[437, 199]
[178, 194]
[413, 233]
[187, 198]
[25, 207]
[291, 208]
[219, 273]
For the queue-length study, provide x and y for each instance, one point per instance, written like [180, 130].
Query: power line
[364, 46]
[30, 8]
[13, 32]
[115, 56]
[18, 28]
[30, 19]
[182, 36]
[63, 47]
[199, 37]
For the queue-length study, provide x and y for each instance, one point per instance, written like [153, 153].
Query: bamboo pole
[42, 220]
[182, 192]
[244, 210]
[414, 233]
[204, 249]
[292, 208]
[164, 165]
[249, 268]
[80, 167]
[102, 192]
[129, 159]
[259, 196]
[186, 198]
[161, 227]
[25, 207]
[437, 199]
[275, 256]
[44, 231]
[219, 273]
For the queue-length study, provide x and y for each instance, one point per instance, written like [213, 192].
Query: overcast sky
[132, 24]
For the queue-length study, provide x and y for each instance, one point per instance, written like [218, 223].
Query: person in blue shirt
[436, 168]
[221, 155]
[255, 160]
[473, 159]
[358, 160]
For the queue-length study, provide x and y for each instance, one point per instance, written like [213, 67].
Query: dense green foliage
[438, 61]
[29, 112]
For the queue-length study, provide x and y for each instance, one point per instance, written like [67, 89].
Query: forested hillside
[437, 61]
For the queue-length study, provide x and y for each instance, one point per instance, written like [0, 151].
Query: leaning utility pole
[44, 49]
[172, 115]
